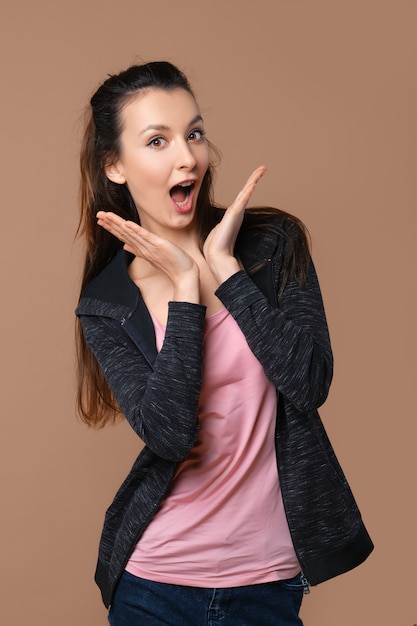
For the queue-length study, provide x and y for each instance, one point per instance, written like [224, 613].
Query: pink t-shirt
[223, 523]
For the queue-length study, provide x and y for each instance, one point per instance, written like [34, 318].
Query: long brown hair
[101, 147]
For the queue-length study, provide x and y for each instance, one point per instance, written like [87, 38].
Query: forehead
[159, 107]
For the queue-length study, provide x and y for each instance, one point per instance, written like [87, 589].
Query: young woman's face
[163, 158]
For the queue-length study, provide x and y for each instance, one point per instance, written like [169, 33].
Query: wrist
[187, 287]
[223, 268]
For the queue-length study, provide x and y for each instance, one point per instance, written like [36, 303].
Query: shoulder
[266, 220]
[273, 235]
[271, 232]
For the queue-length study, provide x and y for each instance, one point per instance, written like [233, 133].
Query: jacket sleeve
[291, 342]
[161, 404]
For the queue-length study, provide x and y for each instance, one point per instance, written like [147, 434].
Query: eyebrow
[196, 119]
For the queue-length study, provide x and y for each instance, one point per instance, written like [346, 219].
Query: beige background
[323, 92]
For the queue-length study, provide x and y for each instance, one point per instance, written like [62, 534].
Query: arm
[291, 342]
[161, 404]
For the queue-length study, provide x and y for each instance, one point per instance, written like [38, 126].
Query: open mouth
[181, 194]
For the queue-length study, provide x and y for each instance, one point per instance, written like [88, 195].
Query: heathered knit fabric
[158, 393]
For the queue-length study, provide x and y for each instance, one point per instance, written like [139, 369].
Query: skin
[168, 264]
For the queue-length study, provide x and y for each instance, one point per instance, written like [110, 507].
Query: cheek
[149, 175]
[204, 160]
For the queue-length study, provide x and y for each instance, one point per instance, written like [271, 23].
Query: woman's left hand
[219, 246]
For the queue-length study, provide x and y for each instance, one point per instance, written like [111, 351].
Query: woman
[205, 328]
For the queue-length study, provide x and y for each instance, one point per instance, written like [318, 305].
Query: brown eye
[196, 135]
[156, 142]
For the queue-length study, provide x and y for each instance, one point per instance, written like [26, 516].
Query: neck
[186, 239]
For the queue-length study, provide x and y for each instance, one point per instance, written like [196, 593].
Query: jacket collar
[113, 284]
[113, 294]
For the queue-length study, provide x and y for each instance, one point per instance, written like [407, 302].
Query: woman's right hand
[162, 254]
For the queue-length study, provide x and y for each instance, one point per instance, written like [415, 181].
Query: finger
[113, 229]
[116, 225]
[108, 225]
[244, 195]
[253, 181]
[256, 174]
[109, 220]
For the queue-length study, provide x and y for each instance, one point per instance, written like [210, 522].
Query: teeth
[185, 184]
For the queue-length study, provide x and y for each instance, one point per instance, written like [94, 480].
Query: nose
[185, 156]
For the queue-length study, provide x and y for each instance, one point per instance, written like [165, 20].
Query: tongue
[178, 194]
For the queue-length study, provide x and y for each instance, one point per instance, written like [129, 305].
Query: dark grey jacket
[159, 394]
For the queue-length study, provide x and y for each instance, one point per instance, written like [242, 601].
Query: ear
[114, 172]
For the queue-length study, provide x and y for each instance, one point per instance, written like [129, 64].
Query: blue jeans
[139, 602]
